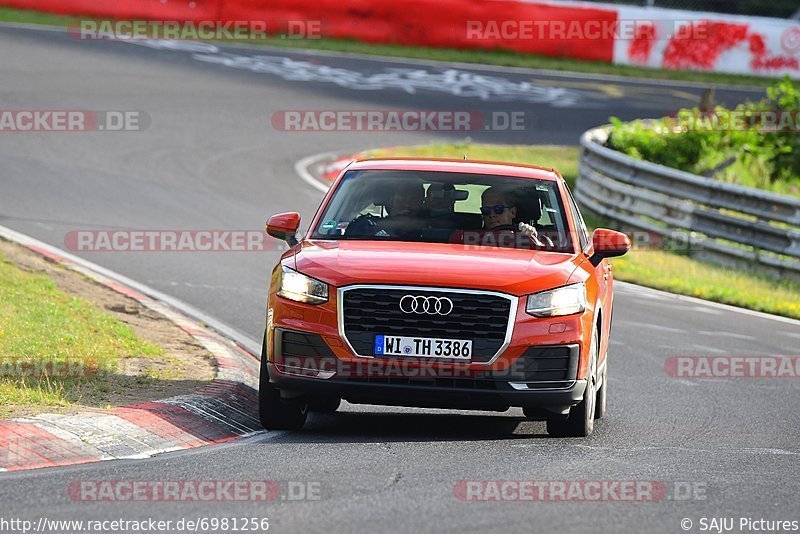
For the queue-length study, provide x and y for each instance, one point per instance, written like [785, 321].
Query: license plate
[426, 347]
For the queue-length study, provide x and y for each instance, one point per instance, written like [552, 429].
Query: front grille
[481, 317]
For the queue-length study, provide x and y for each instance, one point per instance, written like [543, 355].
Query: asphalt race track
[211, 159]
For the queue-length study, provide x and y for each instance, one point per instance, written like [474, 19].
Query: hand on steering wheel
[530, 231]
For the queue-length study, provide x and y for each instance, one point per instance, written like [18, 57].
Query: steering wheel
[363, 226]
[504, 227]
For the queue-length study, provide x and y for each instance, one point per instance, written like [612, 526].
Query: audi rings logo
[429, 305]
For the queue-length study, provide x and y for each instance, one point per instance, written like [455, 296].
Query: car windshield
[442, 207]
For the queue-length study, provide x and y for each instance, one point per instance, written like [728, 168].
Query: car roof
[518, 170]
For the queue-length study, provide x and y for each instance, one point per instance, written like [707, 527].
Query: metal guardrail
[727, 224]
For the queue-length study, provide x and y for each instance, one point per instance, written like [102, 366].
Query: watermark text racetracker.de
[584, 30]
[126, 240]
[169, 241]
[609, 491]
[182, 491]
[396, 120]
[736, 120]
[37, 367]
[726, 367]
[206, 30]
[72, 120]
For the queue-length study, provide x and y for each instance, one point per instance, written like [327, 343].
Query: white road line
[652, 326]
[640, 291]
[762, 450]
[176, 283]
[245, 341]
[570, 75]
[28, 26]
[567, 74]
[701, 302]
[301, 168]
[749, 450]
[686, 382]
[710, 311]
[725, 334]
[711, 349]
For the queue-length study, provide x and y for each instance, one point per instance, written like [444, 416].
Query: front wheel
[580, 422]
[274, 412]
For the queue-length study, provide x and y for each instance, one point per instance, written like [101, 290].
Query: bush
[755, 144]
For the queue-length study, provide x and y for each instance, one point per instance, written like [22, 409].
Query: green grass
[486, 57]
[658, 269]
[24, 16]
[41, 324]
[686, 276]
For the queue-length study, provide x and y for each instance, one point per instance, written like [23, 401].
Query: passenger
[402, 201]
[405, 211]
[440, 199]
[407, 198]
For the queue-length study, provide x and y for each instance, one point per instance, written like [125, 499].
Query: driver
[498, 211]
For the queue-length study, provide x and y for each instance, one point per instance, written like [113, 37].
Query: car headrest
[529, 205]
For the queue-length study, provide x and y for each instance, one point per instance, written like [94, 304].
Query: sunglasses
[498, 209]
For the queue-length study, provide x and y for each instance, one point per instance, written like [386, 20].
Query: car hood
[513, 271]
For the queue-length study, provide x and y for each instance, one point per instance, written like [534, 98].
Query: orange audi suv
[446, 284]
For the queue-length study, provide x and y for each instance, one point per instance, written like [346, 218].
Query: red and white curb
[320, 170]
[330, 171]
[223, 410]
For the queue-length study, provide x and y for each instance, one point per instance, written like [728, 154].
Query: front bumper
[431, 392]
[503, 382]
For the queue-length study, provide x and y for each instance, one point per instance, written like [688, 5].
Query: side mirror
[608, 244]
[284, 226]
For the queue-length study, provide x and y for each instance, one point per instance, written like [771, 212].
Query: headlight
[562, 301]
[301, 288]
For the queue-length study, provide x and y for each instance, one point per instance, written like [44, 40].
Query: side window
[583, 234]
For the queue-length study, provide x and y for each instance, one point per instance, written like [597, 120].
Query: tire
[324, 404]
[580, 422]
[274, 412]
[601, 404]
